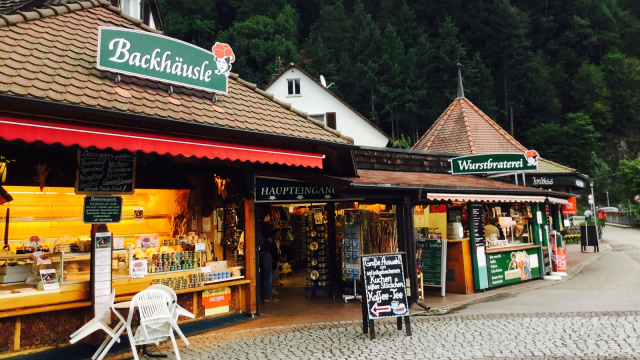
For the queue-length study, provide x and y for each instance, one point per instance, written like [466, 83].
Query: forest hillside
[563, 76]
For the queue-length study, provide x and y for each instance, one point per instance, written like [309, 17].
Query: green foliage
[402, 142]
[629, 177]
[573, 143]
[260, 41]
[192, 21]
[568, 71]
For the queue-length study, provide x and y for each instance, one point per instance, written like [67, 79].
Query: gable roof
[294, 66]
[464, 129]
[49, 56]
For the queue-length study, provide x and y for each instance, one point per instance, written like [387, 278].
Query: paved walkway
[436, 334]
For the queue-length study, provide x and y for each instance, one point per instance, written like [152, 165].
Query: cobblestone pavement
[612, 335]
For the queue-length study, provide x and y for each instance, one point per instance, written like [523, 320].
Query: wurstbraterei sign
[385, 287]
[153, 56]
[494, 163]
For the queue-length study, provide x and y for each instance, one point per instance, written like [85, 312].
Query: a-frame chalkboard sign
[385, 291]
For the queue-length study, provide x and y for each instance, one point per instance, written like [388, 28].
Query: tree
[259, 42]
[591, 96]
[479, 87]
[392, 82]
[571, 143]
[193, 21]
[629, 178]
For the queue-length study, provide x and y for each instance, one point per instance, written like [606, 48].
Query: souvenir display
[351, 251]
[317, 252]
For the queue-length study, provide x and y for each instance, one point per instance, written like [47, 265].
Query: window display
[507, 225]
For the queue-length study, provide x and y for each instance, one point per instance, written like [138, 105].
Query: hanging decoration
[43, 171]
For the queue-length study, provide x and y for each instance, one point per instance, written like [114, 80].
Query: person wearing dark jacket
[266, 259]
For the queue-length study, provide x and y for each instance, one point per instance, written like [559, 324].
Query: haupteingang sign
[493, 163]
[157, 57]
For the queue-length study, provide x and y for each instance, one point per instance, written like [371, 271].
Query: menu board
[384, 284]
[477, 217]
[105, 171]
[430, 255]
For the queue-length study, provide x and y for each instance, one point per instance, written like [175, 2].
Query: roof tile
[53, 58]
[18, 90]
[7, 70]
[38, 83]
[36, 92]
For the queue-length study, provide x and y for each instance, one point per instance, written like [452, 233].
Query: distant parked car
[610, 209]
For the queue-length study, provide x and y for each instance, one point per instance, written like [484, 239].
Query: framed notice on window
[101, 267]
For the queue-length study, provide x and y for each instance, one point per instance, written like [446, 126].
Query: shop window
[513, 222]
[293, 87]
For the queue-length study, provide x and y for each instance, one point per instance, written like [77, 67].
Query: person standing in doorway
[266, 260]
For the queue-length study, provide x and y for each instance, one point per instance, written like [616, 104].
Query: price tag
[200, 247]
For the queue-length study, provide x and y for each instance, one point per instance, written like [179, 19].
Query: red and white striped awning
[32, 130]
[485, 198]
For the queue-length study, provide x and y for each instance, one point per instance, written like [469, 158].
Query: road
[595, 314]
[612, 283]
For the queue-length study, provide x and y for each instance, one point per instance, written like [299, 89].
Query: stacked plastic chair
[176, 309]
[156, 321]
[100, 322]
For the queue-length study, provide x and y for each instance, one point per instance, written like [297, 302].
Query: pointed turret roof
[465, 129]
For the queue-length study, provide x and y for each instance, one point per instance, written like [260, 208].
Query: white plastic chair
[99, 322]
[156, 320]
[176, 309]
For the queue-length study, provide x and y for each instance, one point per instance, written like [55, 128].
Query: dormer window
[145, 10]
[131, 8]
[293, 87]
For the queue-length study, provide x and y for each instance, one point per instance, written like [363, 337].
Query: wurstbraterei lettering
[385, 286]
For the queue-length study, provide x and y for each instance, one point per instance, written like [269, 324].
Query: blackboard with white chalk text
[384, 285]
[105, 172]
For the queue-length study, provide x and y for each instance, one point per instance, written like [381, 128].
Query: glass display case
[74, 267]
[121, 263]
[14, 268]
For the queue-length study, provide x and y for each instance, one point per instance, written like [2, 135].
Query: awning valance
[486, 198]
[559, 201]
[136, 140]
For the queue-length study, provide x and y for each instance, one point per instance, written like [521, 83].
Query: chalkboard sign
[430, 252]
[105, 172]
[477, 217]
[384, 284]
[102, 209]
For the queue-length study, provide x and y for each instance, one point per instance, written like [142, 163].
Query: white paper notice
[482, 259]
[138, 268]
[200, 247]
[118, 243]
[206, 224]
[102, 268]
[50, 279]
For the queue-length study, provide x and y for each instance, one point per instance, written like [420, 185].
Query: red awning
[83, 136]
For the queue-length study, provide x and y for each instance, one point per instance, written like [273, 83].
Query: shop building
[448, 214]
[529, 226]
[178, 160]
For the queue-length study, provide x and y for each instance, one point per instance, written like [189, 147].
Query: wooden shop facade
[103, 131]
[157, 154]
